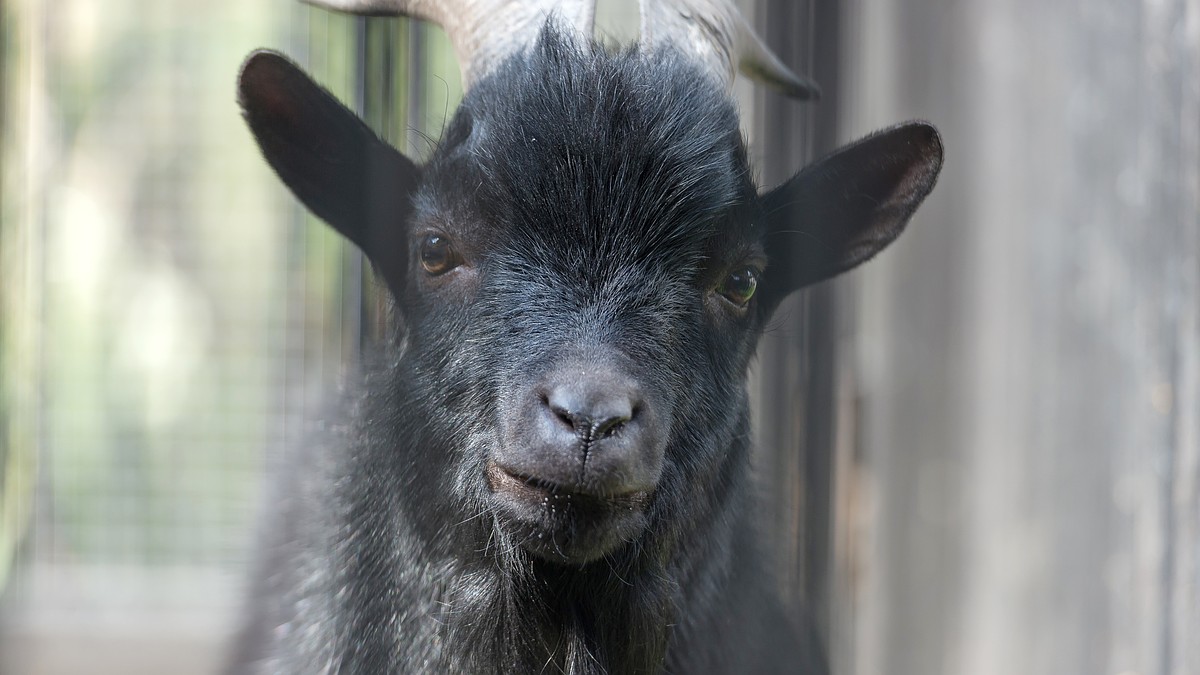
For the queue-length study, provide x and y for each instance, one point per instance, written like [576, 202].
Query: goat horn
[483, 32]
[715, 33]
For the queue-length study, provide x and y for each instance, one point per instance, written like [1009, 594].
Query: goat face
[582, 271]
[590, 278]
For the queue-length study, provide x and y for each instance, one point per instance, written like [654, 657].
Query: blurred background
[982, 450]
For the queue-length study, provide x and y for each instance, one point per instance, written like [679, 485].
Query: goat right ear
[845, 208]
[331, 160]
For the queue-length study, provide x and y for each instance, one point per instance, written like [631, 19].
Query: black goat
[549, 470]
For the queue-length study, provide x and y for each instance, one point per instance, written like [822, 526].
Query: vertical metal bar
[797, 355]
[416, 85]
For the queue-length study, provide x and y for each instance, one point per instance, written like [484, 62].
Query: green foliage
[166, 305]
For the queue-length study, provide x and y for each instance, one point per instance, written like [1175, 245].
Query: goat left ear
[344, 173]
[845, 208]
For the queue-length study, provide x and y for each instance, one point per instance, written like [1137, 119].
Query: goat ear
[330, 159]
[845, 208]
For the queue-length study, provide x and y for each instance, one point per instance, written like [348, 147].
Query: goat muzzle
[581, 455]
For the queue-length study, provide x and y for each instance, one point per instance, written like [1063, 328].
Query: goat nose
[593, 409]
[589, 430]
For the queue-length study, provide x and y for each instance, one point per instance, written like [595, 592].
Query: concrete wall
[1023, 493]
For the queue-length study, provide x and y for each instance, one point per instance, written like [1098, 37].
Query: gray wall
[1020, 493]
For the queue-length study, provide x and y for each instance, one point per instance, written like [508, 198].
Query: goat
[548, 469]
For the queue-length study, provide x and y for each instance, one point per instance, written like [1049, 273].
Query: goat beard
[517, 613]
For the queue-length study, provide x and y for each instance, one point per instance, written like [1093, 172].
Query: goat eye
[739, 286]
[438, 255]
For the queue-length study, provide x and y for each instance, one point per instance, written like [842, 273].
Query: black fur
[599, 202]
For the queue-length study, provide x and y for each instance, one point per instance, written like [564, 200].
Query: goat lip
[562, 526]
[532, 489]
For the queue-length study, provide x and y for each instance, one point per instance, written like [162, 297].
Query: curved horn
[483, 32]
[715, 33]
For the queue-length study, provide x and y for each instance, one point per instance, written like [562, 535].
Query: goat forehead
[548, 314]
[570, 283]
[576, 146]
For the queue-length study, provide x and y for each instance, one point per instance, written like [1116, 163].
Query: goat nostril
[609, 426]
[563, 416]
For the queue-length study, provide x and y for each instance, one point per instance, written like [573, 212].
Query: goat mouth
[563, 524]
[531, 488]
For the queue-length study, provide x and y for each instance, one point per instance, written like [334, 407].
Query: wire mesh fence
[171, 318]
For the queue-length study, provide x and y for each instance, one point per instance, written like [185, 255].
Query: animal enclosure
[984, 446]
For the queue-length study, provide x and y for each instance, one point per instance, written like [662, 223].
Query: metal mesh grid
[172, 317]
